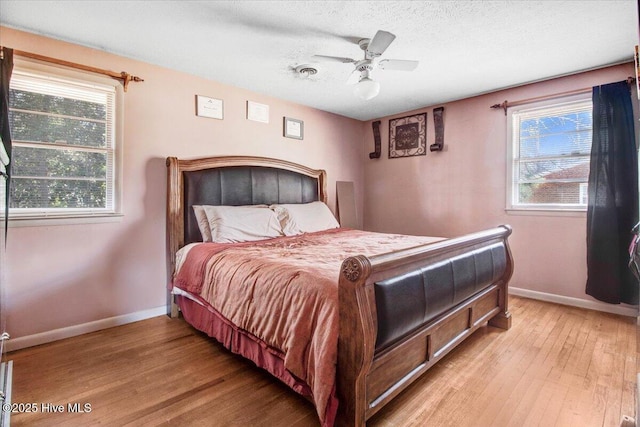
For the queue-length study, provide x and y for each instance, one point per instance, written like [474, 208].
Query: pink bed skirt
[239, 341]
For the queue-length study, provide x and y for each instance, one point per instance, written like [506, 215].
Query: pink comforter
[284, 291]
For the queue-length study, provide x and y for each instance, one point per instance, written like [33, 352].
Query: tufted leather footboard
[400, 313]
[407, 302]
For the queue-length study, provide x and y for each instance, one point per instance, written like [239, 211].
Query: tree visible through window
[63, 145]
[550, 156]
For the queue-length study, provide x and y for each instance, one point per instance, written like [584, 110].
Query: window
[65, 144]
[549, 156]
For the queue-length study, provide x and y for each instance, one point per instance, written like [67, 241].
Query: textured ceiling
[465, 48]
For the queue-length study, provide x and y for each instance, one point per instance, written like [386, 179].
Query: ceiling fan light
[367, 88]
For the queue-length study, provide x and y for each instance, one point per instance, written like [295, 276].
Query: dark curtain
[612, 209]
[6, 67]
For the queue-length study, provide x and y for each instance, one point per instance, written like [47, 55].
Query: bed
[380, 319]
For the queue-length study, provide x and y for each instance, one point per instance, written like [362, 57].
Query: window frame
[513, 146]
[58, 216]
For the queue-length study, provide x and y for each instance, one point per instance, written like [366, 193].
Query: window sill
[578, 213]
[40, 221]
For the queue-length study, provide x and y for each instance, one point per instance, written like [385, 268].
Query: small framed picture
[257, 112]
[293, 128]
[209, 107]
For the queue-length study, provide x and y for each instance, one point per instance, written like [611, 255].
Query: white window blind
[550, 148]
[64, 146]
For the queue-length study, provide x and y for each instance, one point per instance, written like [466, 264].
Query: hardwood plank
[557, 365]
[508, 383]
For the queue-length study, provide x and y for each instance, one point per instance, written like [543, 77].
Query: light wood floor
[557, 366]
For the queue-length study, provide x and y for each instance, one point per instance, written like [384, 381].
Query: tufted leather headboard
[242, 185]
[232, 180]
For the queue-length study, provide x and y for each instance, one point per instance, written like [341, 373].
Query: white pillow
[232, 224]
[203, 223]
[304, 218]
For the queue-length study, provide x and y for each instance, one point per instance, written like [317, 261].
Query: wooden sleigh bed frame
[477, 266]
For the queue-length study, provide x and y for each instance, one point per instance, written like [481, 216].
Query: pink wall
[463, 188]
[65, 275]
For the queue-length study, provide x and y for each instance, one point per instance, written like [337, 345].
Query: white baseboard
[622, 309]
[72, 331]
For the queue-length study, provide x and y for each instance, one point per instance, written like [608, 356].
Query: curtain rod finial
[126, 78]
[504, 106]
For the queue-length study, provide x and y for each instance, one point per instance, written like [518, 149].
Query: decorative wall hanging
[209, 107]
[408, 136]
[293, 128]
[257, 112]
[376, 140]
[438, 123]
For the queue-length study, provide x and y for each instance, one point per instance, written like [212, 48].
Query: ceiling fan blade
[380, 43]
[354, 77]
[334, 59]
[398, 64]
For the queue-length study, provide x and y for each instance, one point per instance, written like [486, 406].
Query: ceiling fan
[367, 88]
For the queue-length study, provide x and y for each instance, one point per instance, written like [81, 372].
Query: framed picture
[408, 136]
[209, 107]
[257, 112]
[293, 128]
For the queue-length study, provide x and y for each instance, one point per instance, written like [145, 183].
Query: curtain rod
[123, 76]
[506, 104]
